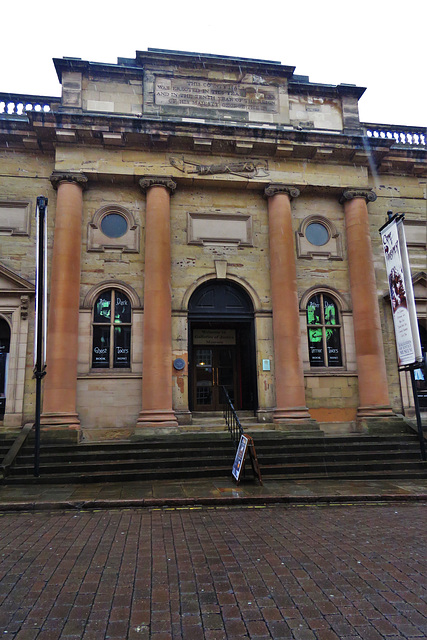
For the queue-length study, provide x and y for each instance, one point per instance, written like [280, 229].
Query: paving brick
[213, 574]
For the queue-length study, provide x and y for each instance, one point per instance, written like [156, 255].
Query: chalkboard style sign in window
[112, 324]
[323, 329]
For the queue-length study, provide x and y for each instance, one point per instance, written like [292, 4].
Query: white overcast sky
[375, 44]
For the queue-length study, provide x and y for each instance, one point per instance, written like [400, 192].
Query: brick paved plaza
[313, 572]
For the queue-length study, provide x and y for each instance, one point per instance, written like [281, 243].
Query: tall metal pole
[39, 368]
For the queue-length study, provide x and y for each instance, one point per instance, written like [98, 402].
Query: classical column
[157, 338]
[289, 374]
[373, 388]
[60, 385]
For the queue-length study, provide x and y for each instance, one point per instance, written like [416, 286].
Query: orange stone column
[373, 388]
[289, 374]
[60, 386]
[157, 409]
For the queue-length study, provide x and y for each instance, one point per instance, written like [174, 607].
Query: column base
[374, 411]
[61, 419]
[60, 426]
[265, 415]
[184, 417]
[382, 425]
[292, 413]
[152, 422]
[295, 419]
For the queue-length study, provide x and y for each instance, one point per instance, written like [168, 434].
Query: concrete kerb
[150, 503]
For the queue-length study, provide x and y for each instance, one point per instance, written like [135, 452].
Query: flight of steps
[210, 455]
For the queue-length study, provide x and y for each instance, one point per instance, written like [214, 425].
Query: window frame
[112, 324]
[323, 326]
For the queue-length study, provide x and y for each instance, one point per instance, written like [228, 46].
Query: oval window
[113, 225]
[317, 234]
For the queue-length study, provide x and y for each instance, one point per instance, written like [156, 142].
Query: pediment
[419, 282]
[11, 282]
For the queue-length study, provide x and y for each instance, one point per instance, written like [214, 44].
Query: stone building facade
[212, 222]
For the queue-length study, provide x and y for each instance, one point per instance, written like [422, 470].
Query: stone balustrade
[408, 136]
[16, 104]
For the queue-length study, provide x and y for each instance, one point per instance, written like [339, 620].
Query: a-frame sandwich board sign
[246, 445]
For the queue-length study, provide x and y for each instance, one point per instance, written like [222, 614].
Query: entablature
[392, 150]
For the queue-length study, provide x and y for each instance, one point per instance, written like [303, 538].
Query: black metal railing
[232, 419]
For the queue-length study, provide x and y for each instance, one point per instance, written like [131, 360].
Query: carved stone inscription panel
[211, 228]
[184, 92]
[15, 217]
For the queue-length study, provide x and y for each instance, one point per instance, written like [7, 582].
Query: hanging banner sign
[401, 292]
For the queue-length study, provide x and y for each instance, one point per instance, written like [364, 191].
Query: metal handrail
[232, 420]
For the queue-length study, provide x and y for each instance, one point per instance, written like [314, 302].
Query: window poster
[333, 347]
[101, 346]
[122, 347]
[315, 346]
[330, 311]
[313, 311]
[122, 310]
[315, 334]
[102, 312]
[401, 293]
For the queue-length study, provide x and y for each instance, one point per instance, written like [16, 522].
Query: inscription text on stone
[184, 92]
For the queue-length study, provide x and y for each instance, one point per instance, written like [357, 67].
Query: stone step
[406, 471]
[266, 453]
[202, 454]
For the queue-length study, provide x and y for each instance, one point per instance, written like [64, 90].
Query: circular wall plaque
[179, 364]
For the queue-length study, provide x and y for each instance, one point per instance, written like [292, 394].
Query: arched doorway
[4, 356]
[221, 347]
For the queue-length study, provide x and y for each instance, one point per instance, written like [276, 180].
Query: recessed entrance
[4, 355]
[221, 347]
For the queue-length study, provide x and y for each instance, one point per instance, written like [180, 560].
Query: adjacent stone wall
[24, 177]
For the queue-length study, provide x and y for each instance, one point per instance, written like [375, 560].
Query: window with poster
[324, 331]
[111, 331]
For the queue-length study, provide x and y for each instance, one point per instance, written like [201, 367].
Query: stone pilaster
[60, 385]
[157, 412]
[373, 388]
[289, 375]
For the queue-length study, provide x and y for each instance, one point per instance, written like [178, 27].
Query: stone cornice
[39, 130]
[68, 176]
[275, 188]
[157, 181]
[350, 194]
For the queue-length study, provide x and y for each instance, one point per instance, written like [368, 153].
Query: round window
[114, 225]
[317, 234]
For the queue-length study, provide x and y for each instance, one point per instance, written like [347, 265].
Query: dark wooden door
[214, 367]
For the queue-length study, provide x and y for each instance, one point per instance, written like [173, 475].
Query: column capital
[68, 176]
[275, 188]
[157, 181]
[349, 194]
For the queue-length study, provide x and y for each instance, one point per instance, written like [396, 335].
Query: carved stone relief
[244, 169]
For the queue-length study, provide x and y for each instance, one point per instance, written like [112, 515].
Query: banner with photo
[401, 292]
